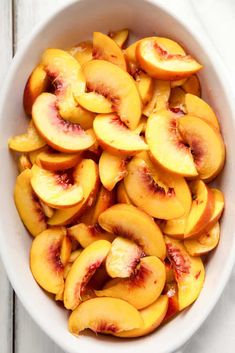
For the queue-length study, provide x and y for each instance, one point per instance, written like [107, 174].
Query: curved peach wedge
[116, 85]
[160, 97]
[45, 262]
[204, 243]
[86, 174]
[54, 161]
[152, 317]
[60, 134]
[95, 102]
[28, 142]
[120, 37]
[142, 288]
[55, 189]
[130, 222]
[105, 48]
[123, 258]
[82, 52]
[112, 169]
[205, 143]
[164, 59]
[166, 145]
[155, 191]
[27, 204]
[82, 270]
[24, 163]
[218, 209]
[189, 272]
[145, 86]
[192, 85]
[122, 196]
[104, 315]
[115, 137]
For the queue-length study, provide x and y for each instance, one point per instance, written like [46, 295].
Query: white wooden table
[18, 333]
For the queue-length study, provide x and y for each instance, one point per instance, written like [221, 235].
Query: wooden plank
[6, 297]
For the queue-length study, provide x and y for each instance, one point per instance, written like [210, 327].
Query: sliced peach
[160, 96]
[82, 52]
[142, 288]
[204, 243]
[123, 258]
[65, 250]
[53, 161]
[198, 107]
[171, 290]
[192, 85]
[120, 37]
[177, 100]
[105, 48]
[48, 211]
[130, 222]
[115, 137]
[206, 143]
[152, 317]
[142, 126]
[104, 200]
[74, 254]
[82, 270]
[37, 83]
[55, 189]
[218, 209]
[45, 262]
[179, 82]
[27, 204]
[118, 86]
[30, 141]
[95, 102]
[60, 134]
[104, 315]
[24, 163]
[60, 295]
[130, 52]
[122, 196]
[145, 86]
[87, 234]
[189, 272]
[202, 209]
[166, 145]
[87, 175]
[164, 59]
[34, 154]
[159, 193]
[112, 169]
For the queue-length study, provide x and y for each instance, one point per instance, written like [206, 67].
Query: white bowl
[76, 22]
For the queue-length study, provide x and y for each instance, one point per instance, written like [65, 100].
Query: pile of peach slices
[113, 184]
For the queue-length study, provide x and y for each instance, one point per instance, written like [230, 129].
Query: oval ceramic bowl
[76, 22]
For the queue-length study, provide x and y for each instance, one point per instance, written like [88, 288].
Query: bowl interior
[73, 24]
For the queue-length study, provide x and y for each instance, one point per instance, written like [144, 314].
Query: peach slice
[48, 211]
[145, 86]
[118, 86]
[198, 107]
[130, 222]
[30, 141]
[27, 204]
[122, 196]
[142, 288]
[164, 59]
[123, 258]
[82, 52]
[82, 270]
[142, 126]
[105, 48]
[177, 100]
[60, 295]
[207, 146]
[55, 189]
[160, 97]
[87, 175]
[104, 200]
[95, 102]
[24, 163]
[130, 52]
[45, 262]
[120, 37]
[87, 234]
[34, 154]
[218, 209]
[179, 82]
[104, 315]
[159, 193]
[204, 243]
[113, 135]
[166, 145]
[53, 161]
[65, 251]
[74, 254]
[171, 290]
[192, 85]
[60, 134]
[37, 83]
[202, 209]
[152, 317]
[112, 169]
[189, 272]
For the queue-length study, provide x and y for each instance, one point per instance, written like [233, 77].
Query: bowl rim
[209, 47]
